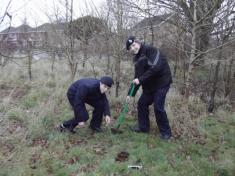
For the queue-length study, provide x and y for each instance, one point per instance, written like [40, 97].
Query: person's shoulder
[162, 53]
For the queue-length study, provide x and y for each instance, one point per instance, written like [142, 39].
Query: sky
[37, 12]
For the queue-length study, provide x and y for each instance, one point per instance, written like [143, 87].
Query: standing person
[91, 91]
[152, 72]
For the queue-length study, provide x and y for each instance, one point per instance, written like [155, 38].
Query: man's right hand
[128, 98]
[136, 81]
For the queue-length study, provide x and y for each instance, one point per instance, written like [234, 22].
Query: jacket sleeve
[106, 106]
[139, 70]
[156, 65]
[79, 105]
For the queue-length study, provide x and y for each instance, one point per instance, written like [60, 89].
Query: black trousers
[81, 114]
[158, 99]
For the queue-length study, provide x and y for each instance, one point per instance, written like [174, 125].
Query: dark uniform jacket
[86, 91]
[152, 69]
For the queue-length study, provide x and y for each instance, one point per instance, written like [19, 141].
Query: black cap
[107, 80]
[129, 41]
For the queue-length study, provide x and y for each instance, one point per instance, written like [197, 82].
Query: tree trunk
[53, 61]
[228, 83]
[118, 75]
[214, 87]
[30, 60]
[119, 16]
[73, 69]
[108, 55]
[2, 61]
[85, 47]
[192, 57]
[69, 42]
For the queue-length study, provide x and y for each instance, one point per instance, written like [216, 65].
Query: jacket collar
[141, 51]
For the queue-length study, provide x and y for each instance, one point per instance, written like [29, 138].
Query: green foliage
[16, 114]
[47, 121]
[29, 102]
[4, 172]
[33, 99]
[51, 84]
[156, 156]
[2, 108]
[109, 167]
[53, 165]
[41, 127]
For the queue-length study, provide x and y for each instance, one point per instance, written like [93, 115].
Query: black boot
[138, 130]
[165, 136]
[96, 129]
[62, 128]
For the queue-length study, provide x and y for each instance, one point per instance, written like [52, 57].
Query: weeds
[30, 145]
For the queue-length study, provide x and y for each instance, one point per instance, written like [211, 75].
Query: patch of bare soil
[11, 129]
[99, 150]
[88, 168]
[116, 131]
[6, 148]
[15, 93]
[76, 142]
[122, 156]
[73, 160]
[35, 158]
[43, 142]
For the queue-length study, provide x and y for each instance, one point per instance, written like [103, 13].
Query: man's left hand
[81, 124]
[136, 81]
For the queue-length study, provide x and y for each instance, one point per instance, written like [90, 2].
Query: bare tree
[70, 40]
[4, 60]
[6, 14]
[117, 9]
[201, 11]
[107, 36]
[223, 34]
[83, 30]
[63, 41]
[30, 58]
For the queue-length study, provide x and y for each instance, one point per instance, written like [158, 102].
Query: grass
[94, 154]
[30, 145]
